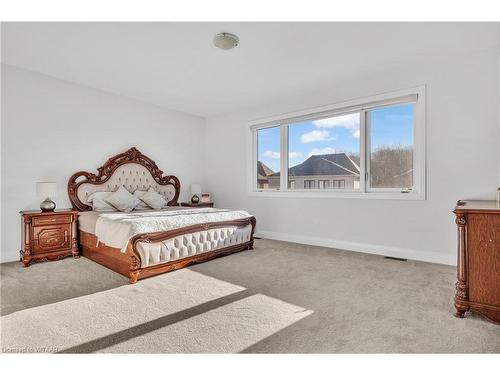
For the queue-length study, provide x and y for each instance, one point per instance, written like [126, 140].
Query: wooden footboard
[128, 263]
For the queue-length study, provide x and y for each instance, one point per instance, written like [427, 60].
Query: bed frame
[137, 171]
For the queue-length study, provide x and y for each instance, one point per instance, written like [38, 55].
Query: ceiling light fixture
[226, 40]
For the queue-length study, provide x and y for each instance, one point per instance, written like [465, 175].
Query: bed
[144, 243]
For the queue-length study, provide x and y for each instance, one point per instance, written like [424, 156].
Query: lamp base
[47, 205]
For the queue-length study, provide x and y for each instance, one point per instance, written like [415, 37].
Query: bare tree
[392, 167]
[354, 156]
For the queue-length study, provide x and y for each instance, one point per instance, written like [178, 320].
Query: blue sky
[390, 126]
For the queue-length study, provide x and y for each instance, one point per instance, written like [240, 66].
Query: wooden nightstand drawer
[50, 220]
[51, 238]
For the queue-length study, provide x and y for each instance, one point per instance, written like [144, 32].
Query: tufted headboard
[131, 169]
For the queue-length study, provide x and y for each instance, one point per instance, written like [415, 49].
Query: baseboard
[9, 258]
[396, 252]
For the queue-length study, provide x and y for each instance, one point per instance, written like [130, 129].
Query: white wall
[51, 129]
[462, 157]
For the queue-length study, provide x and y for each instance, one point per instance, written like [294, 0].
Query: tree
[392, 167]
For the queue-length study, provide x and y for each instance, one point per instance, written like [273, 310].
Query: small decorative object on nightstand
[48, 235]
[198, 205]
[46, 191]
[195, 192]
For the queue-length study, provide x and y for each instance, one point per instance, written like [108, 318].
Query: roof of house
[263, 171]
[322, 165]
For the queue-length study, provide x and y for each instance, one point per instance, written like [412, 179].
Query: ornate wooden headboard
[131, 169]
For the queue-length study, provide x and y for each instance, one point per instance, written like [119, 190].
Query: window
[325, 148]
[339, 184]
[323, 184]
[391, 147]
[309, 184]
[268, 158]
[373, 147]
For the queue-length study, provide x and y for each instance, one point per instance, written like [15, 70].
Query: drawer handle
[50, 220]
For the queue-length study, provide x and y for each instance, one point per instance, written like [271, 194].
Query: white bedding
[88, 219]
[116, 228]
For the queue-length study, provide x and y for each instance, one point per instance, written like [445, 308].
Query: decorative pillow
[122, 200]
[142, 205]
[153, 199]
[97, 200]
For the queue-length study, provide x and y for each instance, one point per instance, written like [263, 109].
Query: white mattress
[116, 228]
[87, 219]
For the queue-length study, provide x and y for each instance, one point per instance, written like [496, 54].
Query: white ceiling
[175, 65]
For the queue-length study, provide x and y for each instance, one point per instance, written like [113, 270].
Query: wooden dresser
[478, 268]
[48, 235]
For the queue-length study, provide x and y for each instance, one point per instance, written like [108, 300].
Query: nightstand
[48, 235]
[197, 205]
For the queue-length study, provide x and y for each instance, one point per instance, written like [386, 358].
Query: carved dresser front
[48, 235]
[478, 268]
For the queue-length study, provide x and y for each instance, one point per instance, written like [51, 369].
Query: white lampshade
[46, 189]
[195, 189]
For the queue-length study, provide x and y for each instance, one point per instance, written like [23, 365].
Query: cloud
[294, 155]
[272, 154]
[276, 155]
[316, 136]
[349, 122]
[322, 151]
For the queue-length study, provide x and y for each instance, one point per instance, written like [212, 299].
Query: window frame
[362, 105]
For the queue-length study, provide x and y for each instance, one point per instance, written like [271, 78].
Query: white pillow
[142, 205]
[97, 200]
[153, 199]
[122, 200]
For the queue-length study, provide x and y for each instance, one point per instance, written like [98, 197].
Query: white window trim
[361, 104]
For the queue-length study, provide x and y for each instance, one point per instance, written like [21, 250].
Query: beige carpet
[281, 297]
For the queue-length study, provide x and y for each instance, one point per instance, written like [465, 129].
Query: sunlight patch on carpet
[70, 323]
[229, 328]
